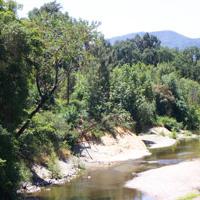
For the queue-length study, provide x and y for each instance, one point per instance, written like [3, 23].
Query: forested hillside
[61, 81]
[168, 39]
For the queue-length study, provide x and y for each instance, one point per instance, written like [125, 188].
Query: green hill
[169, 39]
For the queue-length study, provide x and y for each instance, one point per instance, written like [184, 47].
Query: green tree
[126, 52]
[187, 63]
[9, 167]
[63, 48]
[14, 67]
[148, 46]
[100, 79]
[140, 49]
[131, 89]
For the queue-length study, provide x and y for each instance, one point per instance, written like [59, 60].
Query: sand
[124, 146]
[169, 182]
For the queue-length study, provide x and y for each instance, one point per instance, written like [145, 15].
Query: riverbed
[108, 183]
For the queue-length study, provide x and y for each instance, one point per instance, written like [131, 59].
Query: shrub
[188, 114]
[98, 131]
[189, 196]
[64, 151]
[145, 112]
[9, 165]
[118, 117]
[47, 131]
[173, 134]
[131, 89]
[24, 171]
[165, 100]
[53, 166]
[169, 123]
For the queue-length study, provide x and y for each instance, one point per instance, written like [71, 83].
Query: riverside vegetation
[62, 82]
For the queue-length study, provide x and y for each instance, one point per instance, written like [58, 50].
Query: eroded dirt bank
[125, 145]
[110, 149]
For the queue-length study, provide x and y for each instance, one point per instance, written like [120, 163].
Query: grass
[173, 134]
[189, 196]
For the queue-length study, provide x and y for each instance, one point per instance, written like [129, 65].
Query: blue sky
[120, 17]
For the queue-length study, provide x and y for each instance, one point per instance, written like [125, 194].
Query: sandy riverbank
[169, 182]
[125, 145]
[157, 141]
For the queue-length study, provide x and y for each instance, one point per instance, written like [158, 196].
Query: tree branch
[38, 85]
[43, 100]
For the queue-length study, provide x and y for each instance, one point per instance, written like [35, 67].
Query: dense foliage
[61, 82]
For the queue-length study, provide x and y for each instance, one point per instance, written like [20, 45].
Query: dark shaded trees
[140, 49]
[14, 67]
[100, 79]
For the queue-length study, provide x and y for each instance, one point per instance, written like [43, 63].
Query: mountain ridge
[168, 38]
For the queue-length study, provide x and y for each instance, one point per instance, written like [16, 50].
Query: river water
[108, 183]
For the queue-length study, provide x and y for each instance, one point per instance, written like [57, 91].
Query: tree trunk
[25, 125]
[44, 98]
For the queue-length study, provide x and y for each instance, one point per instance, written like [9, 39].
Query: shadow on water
[108, 183]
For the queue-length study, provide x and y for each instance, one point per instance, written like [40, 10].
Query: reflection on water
[107, 184]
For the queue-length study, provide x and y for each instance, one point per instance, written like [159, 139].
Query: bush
[145, 113]
[169, 123]
[52, 132]
[29, 144]
[193, 118]
[53, 166]
[9, 165]
[118, 117]
[188, 114]
[131, 89]
[47, 131]
[165, 100]
[24, 172]
[98, 131]
[173, 134]
[64, 151]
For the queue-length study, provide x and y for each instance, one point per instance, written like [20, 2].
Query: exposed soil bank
[125, 145]
[169, 182]
[110, 149]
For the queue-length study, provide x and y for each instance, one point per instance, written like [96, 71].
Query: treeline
[61, 81]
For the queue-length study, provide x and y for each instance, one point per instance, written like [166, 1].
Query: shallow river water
[108, 183]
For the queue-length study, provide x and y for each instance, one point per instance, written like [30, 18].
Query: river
[108, 183]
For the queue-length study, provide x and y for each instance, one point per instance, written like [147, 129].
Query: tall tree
[100, 79]
[63, 43]
[140, 49]
[14, 66]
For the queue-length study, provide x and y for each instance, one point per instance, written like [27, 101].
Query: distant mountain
[169, 39]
